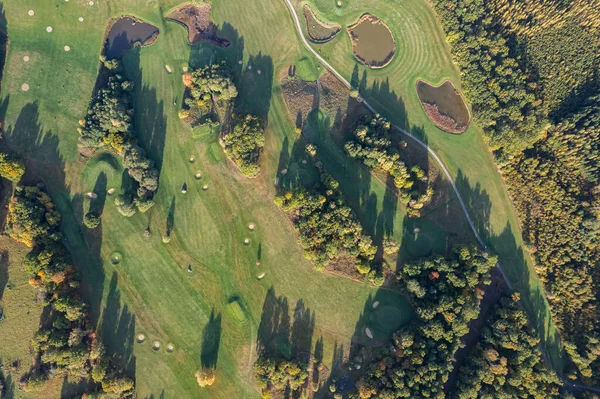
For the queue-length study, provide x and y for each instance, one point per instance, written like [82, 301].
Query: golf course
[215, 270]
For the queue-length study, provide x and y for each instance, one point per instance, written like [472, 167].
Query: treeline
[445, 294]
[212, 87]
[327, 227]
[506, 362]
[556, 190]
[65, 345]
[109, 125]
[279, 375]
[372, 145]
[541, 58]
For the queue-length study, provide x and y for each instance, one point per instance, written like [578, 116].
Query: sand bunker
[141, 338]
[26, 58]
[31, 13]
[49, 29]
[25, 87]
[368, 332]
[170, 348]
[247, 241]
[156, 345]
[67, 48]
[111, 191]
[80, 19]
[260, 276]
[375, 304]
[251, 227]
[197, 21]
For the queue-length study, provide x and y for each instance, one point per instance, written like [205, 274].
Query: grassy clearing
[422, 53]
[307, 68]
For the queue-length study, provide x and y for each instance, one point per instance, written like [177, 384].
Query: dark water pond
[126, 34]
[372, 41]
[448, 103]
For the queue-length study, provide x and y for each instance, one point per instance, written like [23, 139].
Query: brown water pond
[126, 34]
[372, 41]
[444, 106]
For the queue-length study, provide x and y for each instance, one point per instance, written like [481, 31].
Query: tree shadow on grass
[211, 339]
[4, 261]
[150, 120]
[117, 329]
[170, 218]
[97, 204]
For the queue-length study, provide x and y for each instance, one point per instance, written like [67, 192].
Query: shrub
[125, 205]
[376, 278]
[205, 377]
[390, 246]
[166, 238]
[11, 168]
[363, 267]
[91, 220]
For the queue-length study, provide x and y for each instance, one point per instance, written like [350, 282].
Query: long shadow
[170, 218]
[274, 328]
[117, 329]
[211, 340]
[97, 204]
[279, 339]
[4, 39]
[150, 120]
[4, 261]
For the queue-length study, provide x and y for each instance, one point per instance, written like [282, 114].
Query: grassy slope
[150, 290]
[423, 54]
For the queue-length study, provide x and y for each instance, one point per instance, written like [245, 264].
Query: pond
[372, 42]
[445, 106]
[126, 34]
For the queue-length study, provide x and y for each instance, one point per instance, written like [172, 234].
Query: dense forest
[530, 69]
[65, 345]
[506, 362]
[445, 294]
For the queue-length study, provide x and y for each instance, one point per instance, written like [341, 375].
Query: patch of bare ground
[198, 23]
[344, 265]
[489, 296]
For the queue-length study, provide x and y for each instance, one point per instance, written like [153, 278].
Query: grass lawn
[422, 53]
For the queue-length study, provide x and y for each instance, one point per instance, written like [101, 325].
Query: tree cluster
[444, 293]
[207, 86]
[372, 145]
[11, 167]
[506, 361]
[244, 143]
[109, 124]
[272, 374]
[65, 345]
[327, 226]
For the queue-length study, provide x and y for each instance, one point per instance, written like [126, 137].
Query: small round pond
[444, 106]
[126, 34]
[372, 42]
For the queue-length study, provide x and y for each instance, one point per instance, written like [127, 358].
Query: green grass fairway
[307, 68]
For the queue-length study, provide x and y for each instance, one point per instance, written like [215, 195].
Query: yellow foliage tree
[205, 377]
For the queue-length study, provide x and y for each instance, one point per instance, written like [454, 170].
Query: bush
[363, 267]
[205, 377]
[390, 246]
[91, 220]
[125, 205]
[243, 144]
[376, 278]
[11, 168]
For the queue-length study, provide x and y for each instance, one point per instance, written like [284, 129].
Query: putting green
[106, 166]
[388, 318]
[419, 244]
